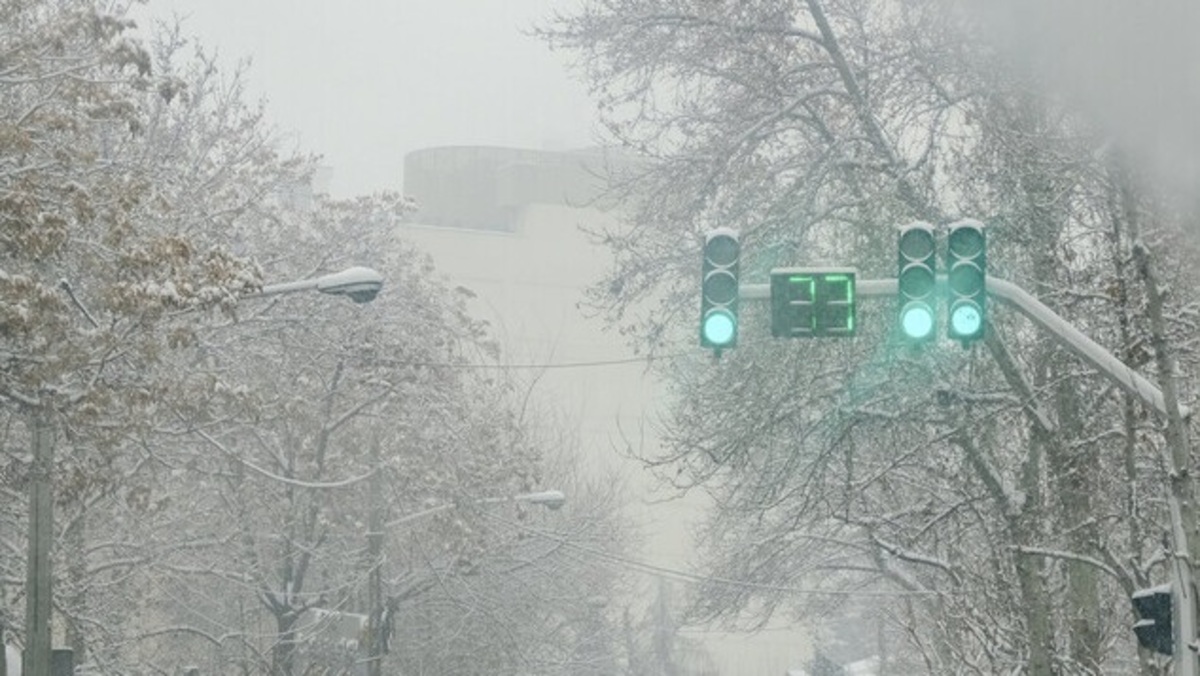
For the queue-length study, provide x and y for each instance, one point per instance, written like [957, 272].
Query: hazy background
[1133, 66]
[364, 82]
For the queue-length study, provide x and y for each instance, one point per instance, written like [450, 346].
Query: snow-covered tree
[221, 459]
[1002, 501]
[100, 252]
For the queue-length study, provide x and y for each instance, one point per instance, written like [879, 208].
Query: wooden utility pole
[41, 534]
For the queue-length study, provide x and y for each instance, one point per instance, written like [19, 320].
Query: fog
[364, 83]
[1134, 67]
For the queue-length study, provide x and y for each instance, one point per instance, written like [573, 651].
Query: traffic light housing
[719, 289]
[1153, 628]
[917, 281]
[812, 302]
[966, 274]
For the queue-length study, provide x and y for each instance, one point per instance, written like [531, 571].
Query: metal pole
[1132, 382]
[38, 573]
[1181, 507]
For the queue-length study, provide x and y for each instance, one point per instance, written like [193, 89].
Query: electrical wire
[693, 578]
[546, 366]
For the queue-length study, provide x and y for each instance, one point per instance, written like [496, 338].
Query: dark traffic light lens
[965, 279]
[720, 287]
[916, 244]
[965, 242]
[916, 281]
[721, 250]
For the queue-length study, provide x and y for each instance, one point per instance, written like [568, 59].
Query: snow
[1164, 588]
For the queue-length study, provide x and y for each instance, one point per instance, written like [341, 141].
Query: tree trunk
[1035, 600]
[77, 579]
[374, 647]
[283, 653]
[1024, 520]
[1075, 476]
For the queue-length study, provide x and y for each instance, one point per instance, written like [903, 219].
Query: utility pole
[41, 533]
[1184, 520]
[358, 283]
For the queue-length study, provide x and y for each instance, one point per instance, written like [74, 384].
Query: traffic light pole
[1181, 507]
[1060, 329]
[1183, 523]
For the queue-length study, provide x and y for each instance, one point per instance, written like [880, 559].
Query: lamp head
[549, 499]
[360, 284]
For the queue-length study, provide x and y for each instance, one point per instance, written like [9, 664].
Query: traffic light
[1153, 629]
[966, 272]
[812, 302]
[917, 262]
[719, 289]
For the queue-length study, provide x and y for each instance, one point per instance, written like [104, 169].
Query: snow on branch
[1068, 556]
[280, 478]
[922, 559]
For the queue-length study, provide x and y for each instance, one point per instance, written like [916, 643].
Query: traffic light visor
[719, 327]
[1154, 607]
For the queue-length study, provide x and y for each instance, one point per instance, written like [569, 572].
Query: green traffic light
[719, 327]
[966, 319]
[916, 320]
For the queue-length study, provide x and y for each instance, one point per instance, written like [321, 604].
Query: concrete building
[511, 225]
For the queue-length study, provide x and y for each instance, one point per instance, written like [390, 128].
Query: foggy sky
[1132, 66]
[366, 82]
[363, 83]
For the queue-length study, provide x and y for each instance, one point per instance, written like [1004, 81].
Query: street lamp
[552, 499]
[359, 283]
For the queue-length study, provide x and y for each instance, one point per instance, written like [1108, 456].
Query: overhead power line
[647, 360]
[693, 578]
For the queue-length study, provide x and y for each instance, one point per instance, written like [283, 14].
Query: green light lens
[719, 327]
[965, 319]
[916, 320]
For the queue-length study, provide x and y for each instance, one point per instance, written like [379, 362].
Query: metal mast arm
[1080, 345]
[1060, 329]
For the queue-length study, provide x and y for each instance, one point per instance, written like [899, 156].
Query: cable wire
[693, 578]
